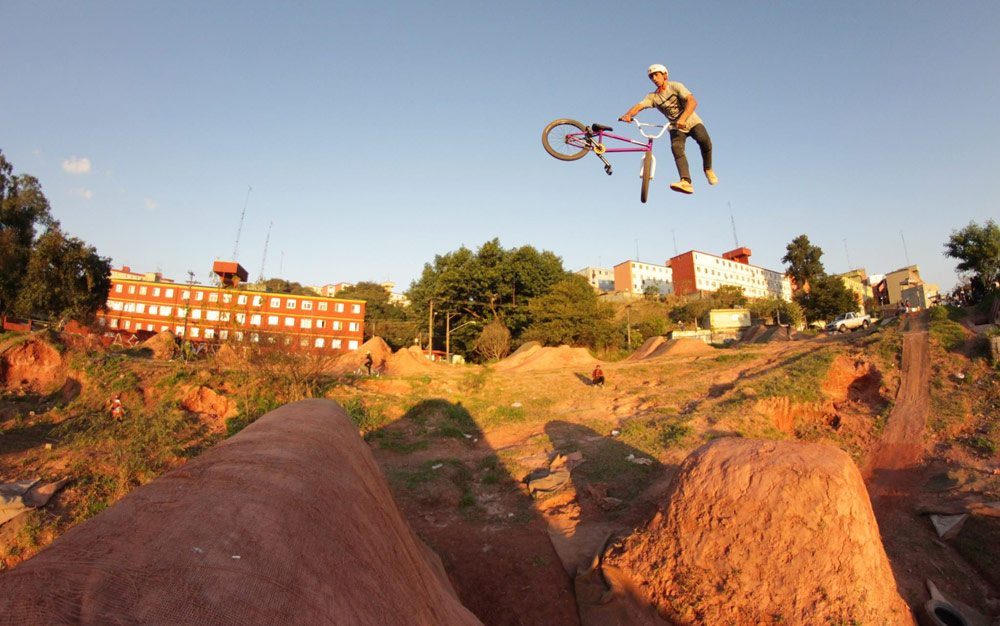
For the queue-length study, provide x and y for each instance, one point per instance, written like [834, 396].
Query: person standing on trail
[677, 103]
[368, 362]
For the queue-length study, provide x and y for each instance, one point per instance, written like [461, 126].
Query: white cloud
[86, 194]
[151, 204]
[74, 165]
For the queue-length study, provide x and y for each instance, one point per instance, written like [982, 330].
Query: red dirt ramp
[762, 532]
[288, 522]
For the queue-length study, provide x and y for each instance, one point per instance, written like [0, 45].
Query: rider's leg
[677, 140]
[700, 134]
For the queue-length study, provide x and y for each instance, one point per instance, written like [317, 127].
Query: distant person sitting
[597, 378]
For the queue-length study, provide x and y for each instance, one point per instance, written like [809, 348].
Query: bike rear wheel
[562, 140]
[647, 172]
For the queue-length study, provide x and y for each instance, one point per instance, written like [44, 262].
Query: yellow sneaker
[683, 186]
[712, 178]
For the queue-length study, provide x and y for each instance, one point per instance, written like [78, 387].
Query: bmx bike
[570, 140]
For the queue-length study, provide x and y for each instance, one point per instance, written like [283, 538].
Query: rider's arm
[631, 112]
[689, 107]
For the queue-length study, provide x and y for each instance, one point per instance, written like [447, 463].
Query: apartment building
[224, 313]
[906, 284]
[635, 277]
[696, 271]
[601, 279]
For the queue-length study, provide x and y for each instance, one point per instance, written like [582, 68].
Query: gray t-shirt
[671, 102]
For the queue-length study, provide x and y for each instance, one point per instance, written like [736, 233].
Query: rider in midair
[677, 103]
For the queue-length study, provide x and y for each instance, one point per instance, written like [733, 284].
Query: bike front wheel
[647, 172]
[566, 140]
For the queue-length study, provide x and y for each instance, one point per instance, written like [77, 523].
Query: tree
[571, 314]
[494, 342]
[280, 285]
[828, 298]
[491, 283]
[776, 310]
[65, 279]
[803, 260]
[729, 297]
[978, 250]
[23, 208]
[382, 317]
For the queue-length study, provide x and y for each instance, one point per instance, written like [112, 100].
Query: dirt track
[902, 443]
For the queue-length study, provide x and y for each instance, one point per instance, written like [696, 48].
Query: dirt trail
[896, 471]
[902, 443]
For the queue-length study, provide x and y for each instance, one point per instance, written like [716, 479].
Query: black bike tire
[561, 155]
[647, 170]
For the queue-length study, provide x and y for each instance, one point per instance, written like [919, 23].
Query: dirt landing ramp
[762, 532]
[288, 522]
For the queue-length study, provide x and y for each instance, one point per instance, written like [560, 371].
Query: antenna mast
[732, 221]
[263, 259]
[239, 231]
[905, 251]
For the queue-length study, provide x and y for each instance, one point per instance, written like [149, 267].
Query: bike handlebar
[663, 128]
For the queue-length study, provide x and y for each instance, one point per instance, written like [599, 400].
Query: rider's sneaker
[712, 178]
[683, 186]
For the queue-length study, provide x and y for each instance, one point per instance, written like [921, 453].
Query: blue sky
[377, 134]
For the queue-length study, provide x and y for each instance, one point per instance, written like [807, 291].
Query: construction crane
[239, 231]
[263, 260]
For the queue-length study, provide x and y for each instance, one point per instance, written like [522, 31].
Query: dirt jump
[288, 522]
[538, 358]
[759, 532]
[657, 347]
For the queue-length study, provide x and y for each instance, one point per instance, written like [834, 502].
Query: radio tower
[263, 259]
[732, 220]
[239, 231]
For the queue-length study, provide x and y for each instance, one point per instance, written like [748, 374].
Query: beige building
[601, 279]
[635, 277]
[906, 284]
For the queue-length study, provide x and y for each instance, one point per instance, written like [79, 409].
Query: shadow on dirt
[467, 501]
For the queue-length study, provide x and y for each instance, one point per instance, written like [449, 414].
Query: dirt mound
[648, 347]
[352, 361]
[853, 379]
[685, 346]
[162, 344]
[211, 542]
[519, 356]
[552, 358]
[408, 362]
[758, 532]
[210, 405]
[32, 366]
[761, 333]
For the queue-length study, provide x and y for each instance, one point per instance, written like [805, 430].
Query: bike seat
[600, 127]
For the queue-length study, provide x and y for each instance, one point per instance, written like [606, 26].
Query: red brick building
[204, 313]
[696, 271]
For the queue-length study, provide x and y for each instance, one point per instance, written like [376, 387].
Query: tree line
[481, 302]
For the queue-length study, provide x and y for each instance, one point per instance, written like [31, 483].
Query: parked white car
[849, 321]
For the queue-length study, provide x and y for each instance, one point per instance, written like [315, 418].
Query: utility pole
[430, 331]
[628, 325]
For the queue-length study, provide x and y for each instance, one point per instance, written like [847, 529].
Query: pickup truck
[849, 321]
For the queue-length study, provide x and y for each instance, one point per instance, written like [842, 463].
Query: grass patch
[948, 333]
[652, 435]
[395, 441]
[504, 415]
[799, 379]
[735, 357]
[367, 418]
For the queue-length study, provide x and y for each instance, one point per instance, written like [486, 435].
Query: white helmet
[656, 67]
